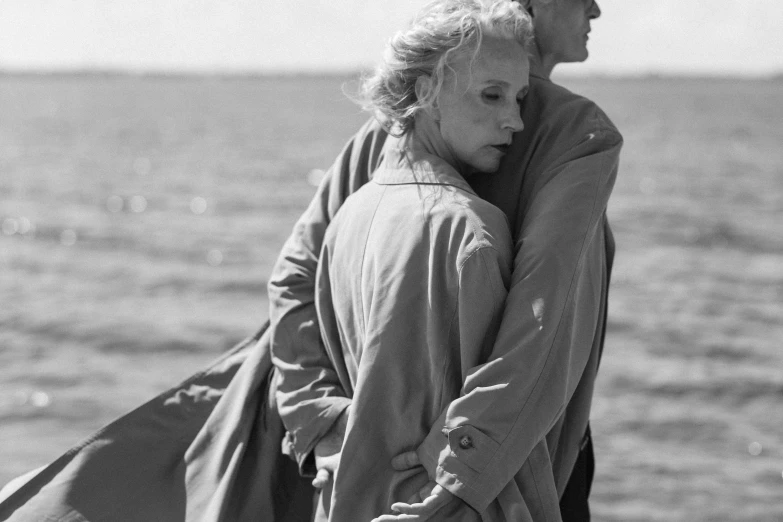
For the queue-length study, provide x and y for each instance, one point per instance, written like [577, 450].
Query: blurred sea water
[141, 216]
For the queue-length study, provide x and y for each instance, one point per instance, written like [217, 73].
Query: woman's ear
[423, 89]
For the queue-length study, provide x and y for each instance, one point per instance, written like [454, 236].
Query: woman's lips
[503, 148]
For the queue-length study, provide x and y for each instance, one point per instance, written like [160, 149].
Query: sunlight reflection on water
[138, 204]
[21, 225]
[40, 399]
[198, 205]
[214, 257]
[37, 399]
[25, 226]
[315, 176]
[10, 226]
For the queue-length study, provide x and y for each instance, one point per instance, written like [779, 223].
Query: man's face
[562, 27]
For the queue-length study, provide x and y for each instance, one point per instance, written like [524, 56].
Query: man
[554, 186]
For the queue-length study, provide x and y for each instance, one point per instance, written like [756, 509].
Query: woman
[414, 268]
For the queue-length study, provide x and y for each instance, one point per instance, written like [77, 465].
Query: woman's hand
[423, 504]
[327, 452]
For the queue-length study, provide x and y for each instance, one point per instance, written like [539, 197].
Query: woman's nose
[514, 121]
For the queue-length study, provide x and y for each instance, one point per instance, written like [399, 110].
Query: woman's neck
[425, 136]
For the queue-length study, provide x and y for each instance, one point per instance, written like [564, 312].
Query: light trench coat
[208, 449]
[410, 290]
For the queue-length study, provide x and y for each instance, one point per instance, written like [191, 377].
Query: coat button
[465, 442]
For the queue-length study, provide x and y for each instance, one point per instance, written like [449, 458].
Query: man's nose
[594, 11]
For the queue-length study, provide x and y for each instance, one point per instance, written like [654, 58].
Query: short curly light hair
[443, 30]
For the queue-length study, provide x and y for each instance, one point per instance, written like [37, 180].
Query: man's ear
[423, 89]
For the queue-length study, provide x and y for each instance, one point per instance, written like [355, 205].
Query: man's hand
[327, 451]
[423, 504]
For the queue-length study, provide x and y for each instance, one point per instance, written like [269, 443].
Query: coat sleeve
[484, 278]
[509, 403]
[309, 395]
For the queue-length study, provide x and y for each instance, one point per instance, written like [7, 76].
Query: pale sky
[632, 36]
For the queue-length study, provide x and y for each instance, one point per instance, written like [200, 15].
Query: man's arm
[510, 403]
[309, 395]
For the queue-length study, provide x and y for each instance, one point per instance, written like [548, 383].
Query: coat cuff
[455, 458]
[299, 444]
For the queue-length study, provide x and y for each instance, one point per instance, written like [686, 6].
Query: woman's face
[562, 27]
[478, 108]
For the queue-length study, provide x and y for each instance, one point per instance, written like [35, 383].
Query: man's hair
[442, 31]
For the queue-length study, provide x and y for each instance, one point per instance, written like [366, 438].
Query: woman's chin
[487, 166]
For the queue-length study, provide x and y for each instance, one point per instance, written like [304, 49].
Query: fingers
[428, 507]
[321, 478]
[394, 518]
[329, 463]
[435, 497]
[405, 461]
[416, 509]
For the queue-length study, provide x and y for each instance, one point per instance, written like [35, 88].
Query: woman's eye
[491, 96]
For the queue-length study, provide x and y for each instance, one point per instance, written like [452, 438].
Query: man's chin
[577, 57]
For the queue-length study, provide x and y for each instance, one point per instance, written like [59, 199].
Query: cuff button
[465, 442]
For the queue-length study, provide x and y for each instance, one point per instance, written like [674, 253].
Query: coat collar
[404, 166]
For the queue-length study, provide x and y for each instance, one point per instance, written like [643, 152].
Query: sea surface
[141, 216]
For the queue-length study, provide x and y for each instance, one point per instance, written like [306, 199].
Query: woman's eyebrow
[503, 83]
[499, 83]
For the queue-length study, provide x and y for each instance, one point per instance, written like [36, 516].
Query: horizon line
[347, 72]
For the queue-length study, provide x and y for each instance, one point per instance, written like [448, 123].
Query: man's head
[561, 29]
